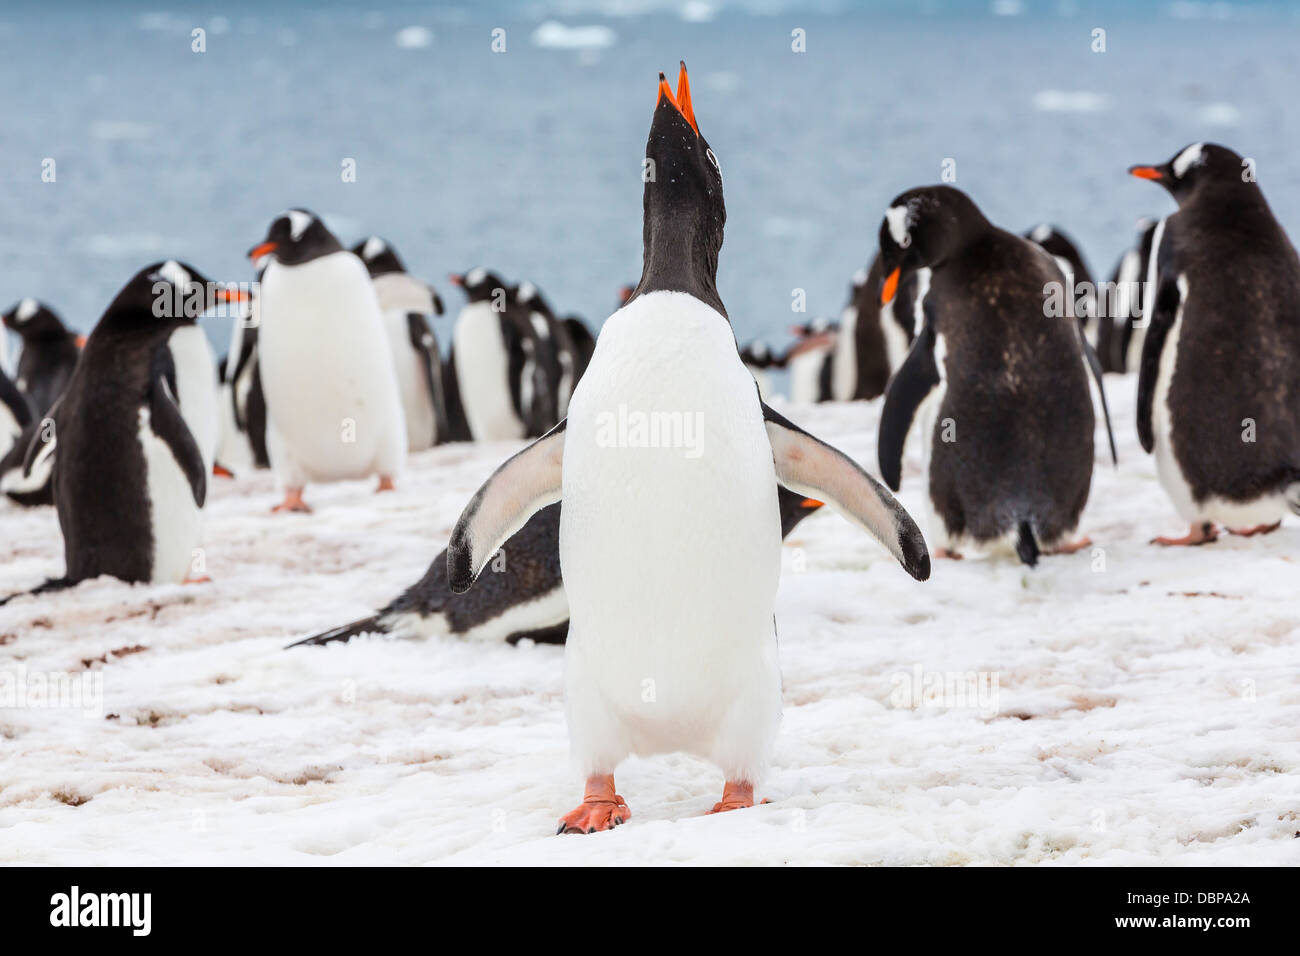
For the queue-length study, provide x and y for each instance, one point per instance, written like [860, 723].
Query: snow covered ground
[1146, 707]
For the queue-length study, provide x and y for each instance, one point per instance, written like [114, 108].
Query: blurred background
[528, 160]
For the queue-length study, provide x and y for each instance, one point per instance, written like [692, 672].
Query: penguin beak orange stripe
[664, 90]
[684, 98]
[232, 294]
[811, 503]
[258, 251]
[889, 288]
[1146, 172]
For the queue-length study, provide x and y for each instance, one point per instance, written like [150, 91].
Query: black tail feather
[367, 625]
[1026, 546]
[53, 584]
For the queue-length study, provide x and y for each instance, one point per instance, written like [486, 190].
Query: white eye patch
[1193, 155]
[374, 247]
[475, 276]
[298, 223]
[26, 309]
[898, 218]
[171, 271]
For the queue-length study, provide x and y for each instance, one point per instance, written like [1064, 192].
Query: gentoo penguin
[333, 411]
[524, 599]
[49, 353]
[670, 542]
[487, 355]
[130, 481]
[584, 344]
[874, 338]
[1122, 305]
[24, 483]
[408, 304]
[810, 361]
[1008, 419]
[1219, 382]
[243, 413]
[560, 351]
[15, 414]
[1081, 291]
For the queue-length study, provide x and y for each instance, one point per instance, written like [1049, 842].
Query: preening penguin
[49, 354]
[1219, 380]
[408, 305]
[1002, 387]
[130, 480]
[523, 598]
[670, 546]
[332, 403]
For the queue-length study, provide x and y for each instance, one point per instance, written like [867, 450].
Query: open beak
[265, 248]
[684, 97]
[1146, 172]
[890, 288]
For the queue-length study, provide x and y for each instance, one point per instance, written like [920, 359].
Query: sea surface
[527, 159]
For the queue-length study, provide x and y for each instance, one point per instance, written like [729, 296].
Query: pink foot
[1202, 533]
[201, 579]
[292, 502]
[945, 553]
[1072, 546]
[736, 795]
[601, 808]
[1258, 529]
[385, 484]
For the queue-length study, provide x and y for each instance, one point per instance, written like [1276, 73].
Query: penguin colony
[645, 563]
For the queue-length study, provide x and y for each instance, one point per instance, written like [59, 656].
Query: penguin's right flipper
[525, 484]
[345, 632]
[809, 466]
[914, 380]
[426, 346]
[1167, 300]
[166, 422]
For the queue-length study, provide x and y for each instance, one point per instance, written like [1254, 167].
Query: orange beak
[888, 290]
[454, 279]
[811, 503]
[664, 90]
[1146, 172]
[81, 341]
[232, 294]
[684, 97]
[258, 251]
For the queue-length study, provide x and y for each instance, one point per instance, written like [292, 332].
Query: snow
[1146, 710]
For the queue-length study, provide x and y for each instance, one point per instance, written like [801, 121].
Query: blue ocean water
[528, 160]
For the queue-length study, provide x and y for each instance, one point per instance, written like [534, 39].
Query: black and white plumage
[487, 361]
[873, 339]
[1219, 381]
[49, 353]
[1001, 387]
[130, 479]
[521, 598]
[1122, 328]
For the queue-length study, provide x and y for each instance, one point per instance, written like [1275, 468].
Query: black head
[294, 238]
[34, 320]
[794, 508]
[167, 293]
[757, 355]
[380, 258]
[923, 227]
[684, 214]
[483, 285]
[1198, 167]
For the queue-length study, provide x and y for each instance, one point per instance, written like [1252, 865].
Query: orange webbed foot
[601, 808]
[945, 553]
[1258, 529]
[385, 484]
[1199, 534]
[292, 502]
[736, 795]
[1070, 547]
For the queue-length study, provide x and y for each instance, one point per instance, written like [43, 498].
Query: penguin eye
[714, 160]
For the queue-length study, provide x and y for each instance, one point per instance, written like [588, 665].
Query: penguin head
[683, 179]
[483, 285]
[168, 292]
[757, 354]
[33, 320]
[922, 227]
[1194, 167]
[380, 258]
[794, 508]
[296, 237]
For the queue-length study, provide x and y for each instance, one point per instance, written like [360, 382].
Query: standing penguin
[670, 548]
[332, 404]
[408, 304]
[487, 356]
[243, 413]
[1219, 382]
[1081, 291]
[811, 361]
[874, 338]
[760, 361]
[49, 353]
[1008, 418]
[1123, 304]
[130, 480]
[559, 353]
[525, 599]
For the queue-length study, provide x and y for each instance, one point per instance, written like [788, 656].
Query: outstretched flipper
[1167, 300]
[526, 483]
[915, 379]
[166, 422]
[811, 467]
[426, 345]
[345, 632]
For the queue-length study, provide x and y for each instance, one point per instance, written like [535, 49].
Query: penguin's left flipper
[809, 466]
[1168, 297]
[166, 422]
[915, 379]
[1094, 363]
[525, 484]
[426, 346]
